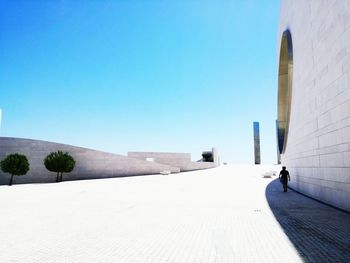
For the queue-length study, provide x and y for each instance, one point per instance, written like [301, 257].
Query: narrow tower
[256, 143]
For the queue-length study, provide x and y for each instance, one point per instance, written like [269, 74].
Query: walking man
[284, 177]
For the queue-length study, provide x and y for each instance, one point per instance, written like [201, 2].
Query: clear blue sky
[151, 75]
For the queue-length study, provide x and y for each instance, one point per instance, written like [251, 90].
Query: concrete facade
[314, 97]
[216, 156]
[90, 164]
[181, 160]
[211, 156]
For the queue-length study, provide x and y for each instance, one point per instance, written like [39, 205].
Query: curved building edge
[317, 152]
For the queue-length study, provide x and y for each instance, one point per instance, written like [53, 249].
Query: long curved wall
[317, 150]
[90, 164]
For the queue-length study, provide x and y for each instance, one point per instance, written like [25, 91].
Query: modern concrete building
[92, 164]
[256, 129]
[314, 97]
[211, 157]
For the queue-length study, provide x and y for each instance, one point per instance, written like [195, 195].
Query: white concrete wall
[318, 146]
[216, 156]
[89, 163]
[181, 160]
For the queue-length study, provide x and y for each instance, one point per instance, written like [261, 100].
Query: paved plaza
[226, 214]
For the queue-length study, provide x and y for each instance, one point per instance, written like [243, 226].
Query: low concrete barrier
[181, 160]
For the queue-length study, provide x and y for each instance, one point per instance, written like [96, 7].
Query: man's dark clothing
[284, 177]
[284, 174]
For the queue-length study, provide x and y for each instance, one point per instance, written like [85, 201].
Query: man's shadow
[317, 231]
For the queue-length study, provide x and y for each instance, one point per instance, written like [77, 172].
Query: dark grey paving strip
[319, 232]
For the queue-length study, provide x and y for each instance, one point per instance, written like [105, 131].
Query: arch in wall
[285, 81]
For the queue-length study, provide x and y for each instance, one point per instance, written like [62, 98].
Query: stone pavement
[217, 215]
[320, 233]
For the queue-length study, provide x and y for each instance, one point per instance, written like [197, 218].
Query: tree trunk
[10, 183]
[57, 177]
[61, 176]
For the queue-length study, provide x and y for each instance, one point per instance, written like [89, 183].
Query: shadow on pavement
[320, 233]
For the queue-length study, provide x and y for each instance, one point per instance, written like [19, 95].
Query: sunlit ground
[217, 215]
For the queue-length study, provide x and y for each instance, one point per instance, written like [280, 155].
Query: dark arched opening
[285, 79]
